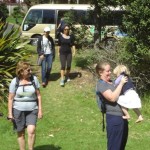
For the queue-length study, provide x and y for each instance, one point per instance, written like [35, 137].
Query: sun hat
[47, 29]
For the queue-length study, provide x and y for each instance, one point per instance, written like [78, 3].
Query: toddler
[128, 97]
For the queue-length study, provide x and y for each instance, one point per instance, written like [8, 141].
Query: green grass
[12, 20]
[71, 118]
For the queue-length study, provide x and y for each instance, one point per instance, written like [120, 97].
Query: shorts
[24, 118]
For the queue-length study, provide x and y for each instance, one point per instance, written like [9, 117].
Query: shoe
[44, 84]
[62, 83]
[68, 79]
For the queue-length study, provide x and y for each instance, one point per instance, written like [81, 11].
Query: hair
[121, 68]
[21, 66]
[100, 67]
[64, 26]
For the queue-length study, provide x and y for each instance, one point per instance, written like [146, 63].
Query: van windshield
[38, 17]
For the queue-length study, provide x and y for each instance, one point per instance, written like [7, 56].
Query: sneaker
[44, 84]
[68, 80]
[62, 83]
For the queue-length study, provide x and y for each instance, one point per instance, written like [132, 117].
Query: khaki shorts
[24, 118]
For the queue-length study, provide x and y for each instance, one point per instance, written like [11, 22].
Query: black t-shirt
[65, 44]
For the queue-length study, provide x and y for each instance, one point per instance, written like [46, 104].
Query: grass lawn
[71, 118]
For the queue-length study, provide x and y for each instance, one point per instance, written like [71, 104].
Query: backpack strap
[31, 79]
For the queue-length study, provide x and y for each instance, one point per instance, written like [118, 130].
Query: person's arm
[53, 47]
[10, 105]
[40, 114]
[117, 81]
[112, 96]
[73, 50]
[73, 45]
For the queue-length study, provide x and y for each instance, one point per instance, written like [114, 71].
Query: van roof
[62, 6]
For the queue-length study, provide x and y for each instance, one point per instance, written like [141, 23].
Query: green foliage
[82, 33]
[3, 8]
[18, 12]
[10, 54]
[137, 21]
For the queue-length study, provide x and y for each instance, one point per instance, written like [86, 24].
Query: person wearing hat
[46, 52]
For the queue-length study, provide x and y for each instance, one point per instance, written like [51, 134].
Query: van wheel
[35, 40]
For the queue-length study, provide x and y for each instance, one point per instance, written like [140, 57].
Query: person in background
[60, 26]
[116, 126]
[46, 52]
[24, 104]
[66, 49]
[129, 97]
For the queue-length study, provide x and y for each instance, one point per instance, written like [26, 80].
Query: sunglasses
[66, 29]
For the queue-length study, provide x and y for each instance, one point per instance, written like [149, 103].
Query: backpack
[101, 104]
[31, 79]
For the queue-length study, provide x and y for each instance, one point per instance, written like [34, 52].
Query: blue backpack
[101, 103]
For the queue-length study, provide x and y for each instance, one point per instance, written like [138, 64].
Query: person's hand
[124, 79]
[42, 57]
[40, 115]
[10, 117]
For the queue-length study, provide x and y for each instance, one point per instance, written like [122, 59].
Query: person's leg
[69, 60]
[115, 130]
[126, 114]
[21, 139]
[49, 60]
[31, 136]
[43, 72]
[31, 119]
[63, 66]
[140, 118]
[125, 135]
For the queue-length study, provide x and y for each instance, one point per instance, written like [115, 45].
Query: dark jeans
[46, 67]
[117, 132]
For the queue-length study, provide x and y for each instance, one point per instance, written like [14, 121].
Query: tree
[3, 8]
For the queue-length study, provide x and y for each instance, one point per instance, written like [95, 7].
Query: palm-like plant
[10, 53]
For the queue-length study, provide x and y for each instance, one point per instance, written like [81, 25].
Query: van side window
[48, 16]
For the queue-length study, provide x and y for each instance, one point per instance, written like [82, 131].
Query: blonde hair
[100, 67]
[121, 68]
[21, 66]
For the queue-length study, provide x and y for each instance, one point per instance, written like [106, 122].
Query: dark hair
[64, 26]
[100, 67]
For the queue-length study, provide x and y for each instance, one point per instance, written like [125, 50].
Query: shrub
[10, 53]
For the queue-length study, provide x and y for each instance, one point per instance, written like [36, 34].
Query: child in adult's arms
[128, 98]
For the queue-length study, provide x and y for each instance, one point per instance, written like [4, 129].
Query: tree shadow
[48, 147]
[74, 75]
[54, 76]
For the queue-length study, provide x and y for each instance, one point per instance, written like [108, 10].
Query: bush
[126, 52]
[10, 53]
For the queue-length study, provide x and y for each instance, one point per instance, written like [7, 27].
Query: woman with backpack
[117, 127]
[46, 52]
[24, 104]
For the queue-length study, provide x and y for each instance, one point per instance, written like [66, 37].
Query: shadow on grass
[48, 147]
[56, 76]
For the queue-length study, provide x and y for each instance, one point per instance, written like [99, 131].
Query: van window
[48, 16]
[38, 17]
